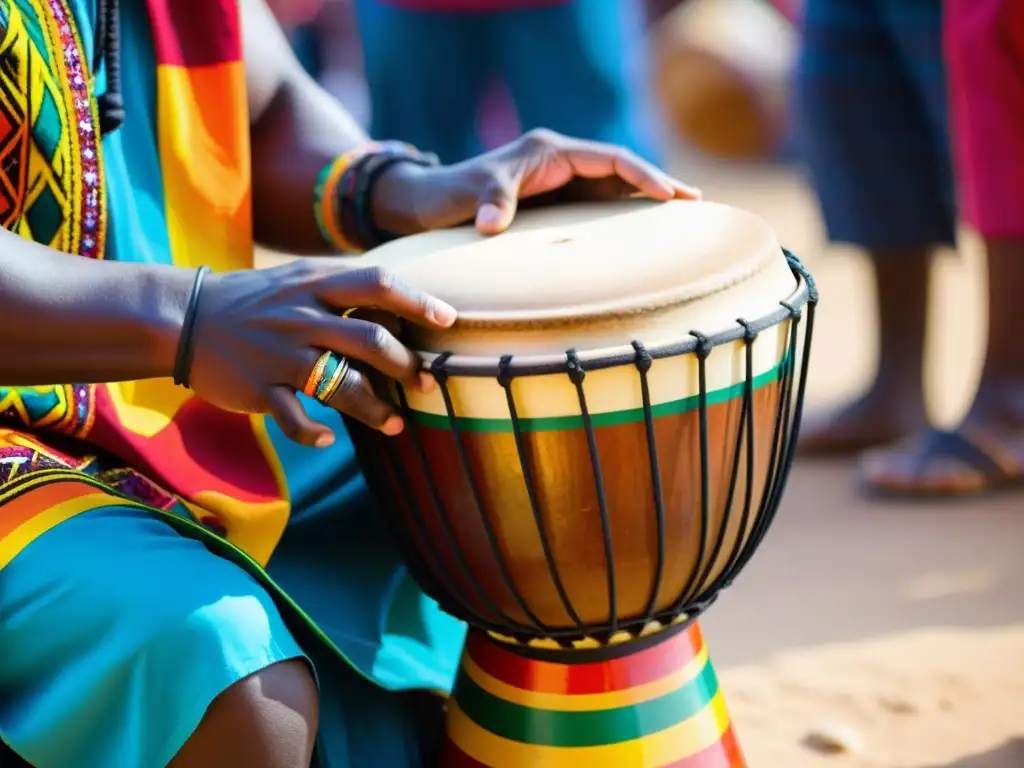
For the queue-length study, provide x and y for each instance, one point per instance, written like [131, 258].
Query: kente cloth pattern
[148, 440]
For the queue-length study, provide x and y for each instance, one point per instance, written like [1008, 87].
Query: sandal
[941, 463]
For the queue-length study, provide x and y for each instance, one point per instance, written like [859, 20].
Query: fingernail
[444, 314]
[324, 440]
[392, 426]
[693, 192]
[427, 383]
[488, 216]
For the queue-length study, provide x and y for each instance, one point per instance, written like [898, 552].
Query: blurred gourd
[721, 70]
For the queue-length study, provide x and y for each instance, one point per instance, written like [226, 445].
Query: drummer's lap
[117, 633]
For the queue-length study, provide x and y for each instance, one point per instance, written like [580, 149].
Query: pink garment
[462, 6]
[984, 46]
[499, 121]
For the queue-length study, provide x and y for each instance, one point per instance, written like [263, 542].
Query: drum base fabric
[657, 707]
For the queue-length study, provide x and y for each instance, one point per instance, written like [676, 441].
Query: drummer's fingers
[355, 398]
[372, 344]
[284, 406]
[380, 288]
[593, 160]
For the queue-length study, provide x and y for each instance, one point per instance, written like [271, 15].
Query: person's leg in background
[869, 85]
[426, 73]
[580, 68]
[984, 44]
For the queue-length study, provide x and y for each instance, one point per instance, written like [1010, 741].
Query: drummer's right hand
[259, 333]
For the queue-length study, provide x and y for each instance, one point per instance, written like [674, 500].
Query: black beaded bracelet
[186, 341]
[354, 206]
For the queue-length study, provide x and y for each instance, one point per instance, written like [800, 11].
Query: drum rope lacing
[480, 608]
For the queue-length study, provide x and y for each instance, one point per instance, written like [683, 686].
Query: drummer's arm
[297, 128]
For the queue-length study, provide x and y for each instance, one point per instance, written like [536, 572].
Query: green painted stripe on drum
[608, 419]
[561, 728]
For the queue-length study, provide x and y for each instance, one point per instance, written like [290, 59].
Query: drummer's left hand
[540, 167]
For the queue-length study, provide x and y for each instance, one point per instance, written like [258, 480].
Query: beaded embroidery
[51, 188]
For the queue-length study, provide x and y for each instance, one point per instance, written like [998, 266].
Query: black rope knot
[704, 345]
[438, 369]
[644, 361]
[749, 334]
[505, 371]
[795, 313]
[576, 372]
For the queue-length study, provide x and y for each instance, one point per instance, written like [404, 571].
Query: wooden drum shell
[561, 472]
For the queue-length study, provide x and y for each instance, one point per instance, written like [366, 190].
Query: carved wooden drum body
[612, 429]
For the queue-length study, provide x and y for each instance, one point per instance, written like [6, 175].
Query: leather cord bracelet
[368, 171]
[186, 340]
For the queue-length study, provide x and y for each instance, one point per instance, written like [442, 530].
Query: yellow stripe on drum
[589, 702]
[45, 519]
[673, 385]
[662, 748]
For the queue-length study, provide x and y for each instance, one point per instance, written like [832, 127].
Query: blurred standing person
[325, 39]
[575, 66]
[334, 56]
[872, 125]
[984, 46]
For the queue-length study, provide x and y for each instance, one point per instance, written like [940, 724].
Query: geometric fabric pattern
[51, 192]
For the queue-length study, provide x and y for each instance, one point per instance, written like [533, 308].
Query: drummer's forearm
[297, 129]
[70, 319]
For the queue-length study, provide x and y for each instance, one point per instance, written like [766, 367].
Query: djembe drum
[607, 445]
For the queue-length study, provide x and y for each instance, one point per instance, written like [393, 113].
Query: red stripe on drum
[725, 753]
[597, 677]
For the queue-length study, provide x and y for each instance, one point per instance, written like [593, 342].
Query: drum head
[619, 268]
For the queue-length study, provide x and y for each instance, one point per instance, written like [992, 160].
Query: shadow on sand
[1010, 755]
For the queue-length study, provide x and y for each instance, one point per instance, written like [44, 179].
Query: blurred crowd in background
[907, 115]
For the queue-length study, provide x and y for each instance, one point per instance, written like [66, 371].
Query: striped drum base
[657, 707]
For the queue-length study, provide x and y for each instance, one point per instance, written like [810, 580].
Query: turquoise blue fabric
[576, 67]
[116, 631]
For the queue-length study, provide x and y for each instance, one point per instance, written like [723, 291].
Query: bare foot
[878, 418]
[986, 451]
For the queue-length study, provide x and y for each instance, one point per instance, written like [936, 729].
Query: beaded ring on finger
[326, 376]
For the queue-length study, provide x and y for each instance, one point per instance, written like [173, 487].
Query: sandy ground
[898, 628]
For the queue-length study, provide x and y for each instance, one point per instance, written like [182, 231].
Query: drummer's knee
[267, 720]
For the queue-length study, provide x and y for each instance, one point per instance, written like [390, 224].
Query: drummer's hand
[259, 333]
[541, 164]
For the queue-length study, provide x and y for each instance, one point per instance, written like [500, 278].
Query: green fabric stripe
[610, 419]
[553, 728]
